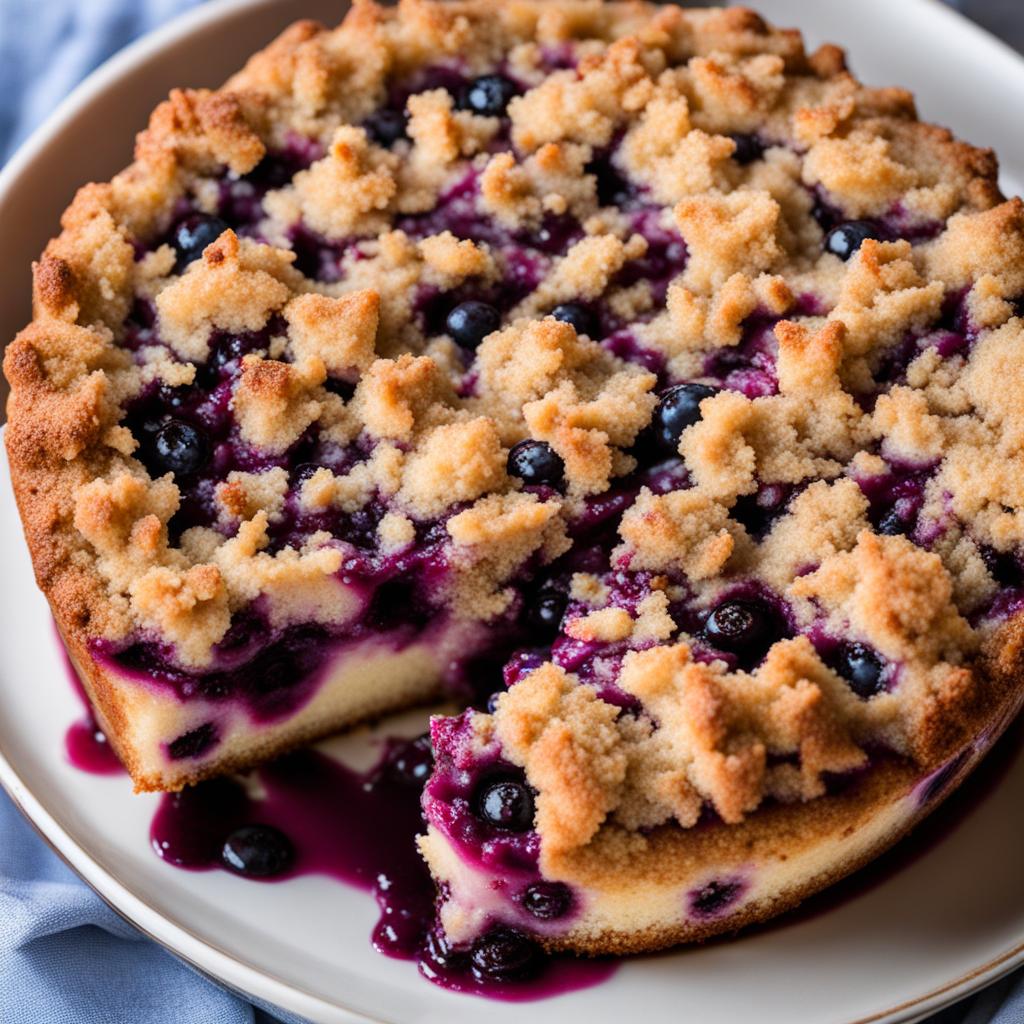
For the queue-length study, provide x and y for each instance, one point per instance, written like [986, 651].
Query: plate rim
[202, 954]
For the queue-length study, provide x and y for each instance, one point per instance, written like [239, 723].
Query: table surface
[1004, 18]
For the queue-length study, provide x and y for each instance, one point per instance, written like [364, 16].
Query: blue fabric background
[65, 957]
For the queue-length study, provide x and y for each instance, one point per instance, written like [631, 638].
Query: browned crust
[778, 832]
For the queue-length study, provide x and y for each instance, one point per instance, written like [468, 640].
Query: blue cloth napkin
[65, 956]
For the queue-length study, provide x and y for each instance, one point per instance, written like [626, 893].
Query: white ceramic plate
[930, 933]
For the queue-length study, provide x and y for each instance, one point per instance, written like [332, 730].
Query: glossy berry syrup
[361, 830]
[88, 750]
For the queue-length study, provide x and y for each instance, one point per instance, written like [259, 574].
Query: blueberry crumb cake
[625, 373]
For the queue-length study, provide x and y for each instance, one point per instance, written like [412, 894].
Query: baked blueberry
[193, 743]
[546, 900]
[741, 626]
[846, 238]
[386, 126]
[862, 668]
[178, 448]
[503, 954]
[303, 471]
[580, 316]
[506, 804]
[470, 322]
[757, 512]
[715, 897]
[678, 409]
[194, 234]
[536, 462]
[1004, 568]
[489, 95]
[748, 149]
[257, 851]
[546, 611]
[892, 524]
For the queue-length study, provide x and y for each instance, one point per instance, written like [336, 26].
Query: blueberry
[741, 626]
[503, 955]
[194, 234]
[386, 127]
[470, 322]
[194, 743]
[304, 471]
[862, 668]
[257, 851]
[1003, 567]
[506, 804]
[411, 763]
[713, 898]
[845, 239]
[547, 900]
[892, 524]
[748, 149]
[581, 317]
[178, 448]
[536, 462]
[489, 95]
[545, 613]
[344, 389]
[678, 409]
[757, 512]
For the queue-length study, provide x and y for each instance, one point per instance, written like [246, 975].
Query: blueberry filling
[507, 804]
[258, 851]
[547, 901]
[678, 409]
[193, 235]
[504, 954]
[470, 322]
[845, 239]
[489, 95]
[581, 317]
[386, 126]
[862, 668]
[194, 743]
[536, 462]
[744, 627]
[714, 898]
[271, 678]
